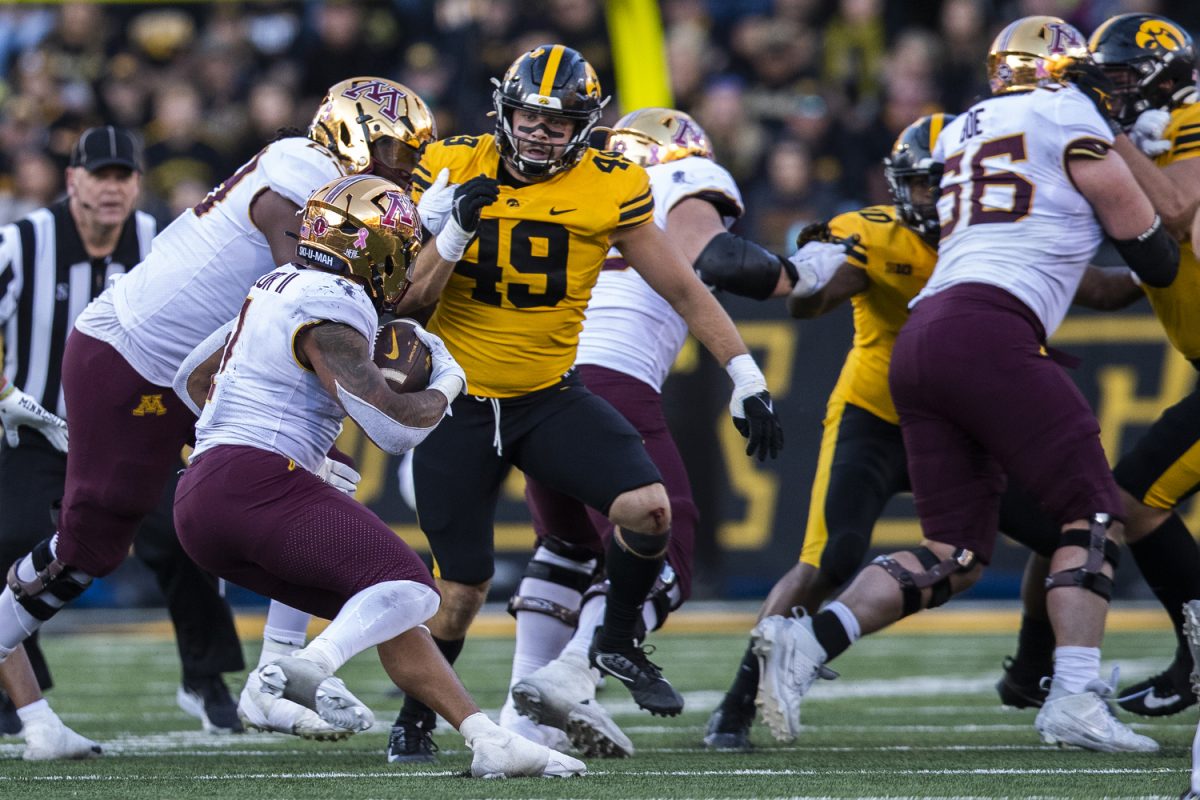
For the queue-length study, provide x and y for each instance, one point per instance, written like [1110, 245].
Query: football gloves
[447, 376]
[467, 204]
[751, 408]
[1096, 86]
[340, 476]
[1147, 132]
[817, 259]
[18, 408]
[435, 203]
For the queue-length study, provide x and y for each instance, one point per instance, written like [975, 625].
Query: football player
[296, 362]
[128, 426]
[534, 213]
[1028, 190]
[1151, 63]
[631, 337]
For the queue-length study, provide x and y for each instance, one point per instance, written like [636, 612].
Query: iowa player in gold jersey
[1151, 63]
[531, 220]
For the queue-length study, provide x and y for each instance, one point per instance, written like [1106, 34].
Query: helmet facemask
[915, 191]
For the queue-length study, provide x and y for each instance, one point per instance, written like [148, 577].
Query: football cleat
[547, 695]
[641, 676]
[10, 721]
[498, 753]
[1191, 632]
[1164, 694]
[1086, 720]
[790, 659]
[729, 730]
[410, 743]
[260, 710]
[306, 683]
[512, 720]
[594, 733]
[1018, 688]
[208, 700]
[48, 739]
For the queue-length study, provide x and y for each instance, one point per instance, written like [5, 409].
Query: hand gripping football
[402, 358]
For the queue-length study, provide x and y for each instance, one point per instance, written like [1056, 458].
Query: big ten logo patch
[150, 405]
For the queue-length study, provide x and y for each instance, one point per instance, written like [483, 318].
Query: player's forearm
[430, 274]
[1172, 203]
[709, 323]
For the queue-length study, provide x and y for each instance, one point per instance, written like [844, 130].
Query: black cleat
[208, 700]
[729, 730]
[1167, 693]
[1020, 688]
[643, 678]
[10, 722]
[411, 744]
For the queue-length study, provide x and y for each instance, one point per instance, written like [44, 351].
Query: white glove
[1147, 132]
[815, 264]
[436, 202]
[340, 476]
[447, 376]
[18, 408]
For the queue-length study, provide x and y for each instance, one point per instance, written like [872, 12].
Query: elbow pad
[736, 265]
[391, 436]
[1153, 256]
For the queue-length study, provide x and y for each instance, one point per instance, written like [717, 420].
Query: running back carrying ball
[402, 357]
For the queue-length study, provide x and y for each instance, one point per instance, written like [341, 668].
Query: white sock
[284, 633]
[16, 624]
[847, 618]
[1076, 667]
[541, 637]
[591, 615]
[35, 711]
[374, 615]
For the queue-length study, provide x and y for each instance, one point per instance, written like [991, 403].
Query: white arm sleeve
[391, 436]
[214, 342]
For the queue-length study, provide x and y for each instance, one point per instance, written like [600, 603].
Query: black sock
[1035, 648]
[742, 691]
[630, 579]
[1170, 562]
[414, 712]
[831, 634]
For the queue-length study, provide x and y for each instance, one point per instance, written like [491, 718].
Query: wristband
[452, 242]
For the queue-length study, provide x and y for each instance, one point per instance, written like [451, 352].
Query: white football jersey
[1010, 215]
[629, 327]
[262, 396]
[199, 267]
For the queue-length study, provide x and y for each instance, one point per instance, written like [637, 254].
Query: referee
[52, 264]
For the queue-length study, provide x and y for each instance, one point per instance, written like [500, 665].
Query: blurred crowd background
[801, 97]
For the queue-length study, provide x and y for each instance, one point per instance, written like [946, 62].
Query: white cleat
[51, 740]
[302, 681]
[789, 660]
[548, 695]
[1086, 720]
[595, 734]
[1191, 631]
[262, 711]
[512, 720]
[499, 753]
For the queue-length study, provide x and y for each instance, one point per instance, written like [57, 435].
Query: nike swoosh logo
[616, 675]
[554, 212]
[1153, 701]
[395, 351]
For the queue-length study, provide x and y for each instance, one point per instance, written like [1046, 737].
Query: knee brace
[563, 564]
[664, 597]
[642, 545]
[53, 586]
[936, 576]
[1100, 549]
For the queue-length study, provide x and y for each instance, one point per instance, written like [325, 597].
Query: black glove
[760, 426]
[1095, 84]
[471, 198]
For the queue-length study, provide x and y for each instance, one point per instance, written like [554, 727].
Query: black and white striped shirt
[46, 280]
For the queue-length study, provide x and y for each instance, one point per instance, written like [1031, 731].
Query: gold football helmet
[658, 135]
[366, 228]
[1033, 52]
[367, 122]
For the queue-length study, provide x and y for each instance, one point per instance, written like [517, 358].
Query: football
[402, 358]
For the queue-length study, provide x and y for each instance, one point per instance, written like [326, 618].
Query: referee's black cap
[106, 146]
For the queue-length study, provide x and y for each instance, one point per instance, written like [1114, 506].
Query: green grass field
[913, 715]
